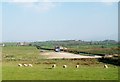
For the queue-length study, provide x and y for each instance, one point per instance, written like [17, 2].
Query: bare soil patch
[65, 55]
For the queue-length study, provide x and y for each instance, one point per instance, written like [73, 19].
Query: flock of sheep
[77, 66]
[53, 66]
[30, 65]
[64, 66]
[25, 65]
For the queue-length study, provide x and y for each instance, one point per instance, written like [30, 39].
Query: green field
[44, 72]
[41, 70]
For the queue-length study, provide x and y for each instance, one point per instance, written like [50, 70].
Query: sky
[41, 21]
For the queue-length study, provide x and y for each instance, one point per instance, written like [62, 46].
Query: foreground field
[44, 72]
[90, 69]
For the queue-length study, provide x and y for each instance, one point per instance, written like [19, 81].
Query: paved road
[61, 55]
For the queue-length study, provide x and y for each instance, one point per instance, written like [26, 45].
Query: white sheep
[25, 65]
[20, 65]
[64, 66]
[54, 65]
[30, 65]
[105, 66]
[77, 66]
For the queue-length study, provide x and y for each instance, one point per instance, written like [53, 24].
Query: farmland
[41, 70]
[44, 72]
[93, 47]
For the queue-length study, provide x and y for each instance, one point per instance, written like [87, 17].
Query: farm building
[3, 45]
[23, 44]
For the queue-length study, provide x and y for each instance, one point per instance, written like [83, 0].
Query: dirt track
[61, 55]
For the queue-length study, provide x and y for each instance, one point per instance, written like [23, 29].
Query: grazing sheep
[77, 66]
[20, 65]
[54, 65]
[30, 65]
[25, 65]
[105, 66]
[64, 66]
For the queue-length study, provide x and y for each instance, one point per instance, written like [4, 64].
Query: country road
[66, 55]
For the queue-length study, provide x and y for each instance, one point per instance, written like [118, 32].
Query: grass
[41, 70]
[44, 72]
[0, 71]
[20, 52]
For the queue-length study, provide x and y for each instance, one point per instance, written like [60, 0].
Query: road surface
[65, 55]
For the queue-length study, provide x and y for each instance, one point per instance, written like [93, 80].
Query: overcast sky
[38, 21]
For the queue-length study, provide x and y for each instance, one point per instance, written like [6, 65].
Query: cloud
[34, 5]
[46, 5]
[20, 0]
[109, 2]
[39, 6]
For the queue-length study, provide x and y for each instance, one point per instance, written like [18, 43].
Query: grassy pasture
[44, 72]
[20, 53]
[41, 70]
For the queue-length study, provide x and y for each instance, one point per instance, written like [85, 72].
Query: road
[65, 55]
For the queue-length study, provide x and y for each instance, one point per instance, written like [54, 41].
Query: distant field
[41, 70]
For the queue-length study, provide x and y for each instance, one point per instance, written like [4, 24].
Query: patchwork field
[41, 70]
